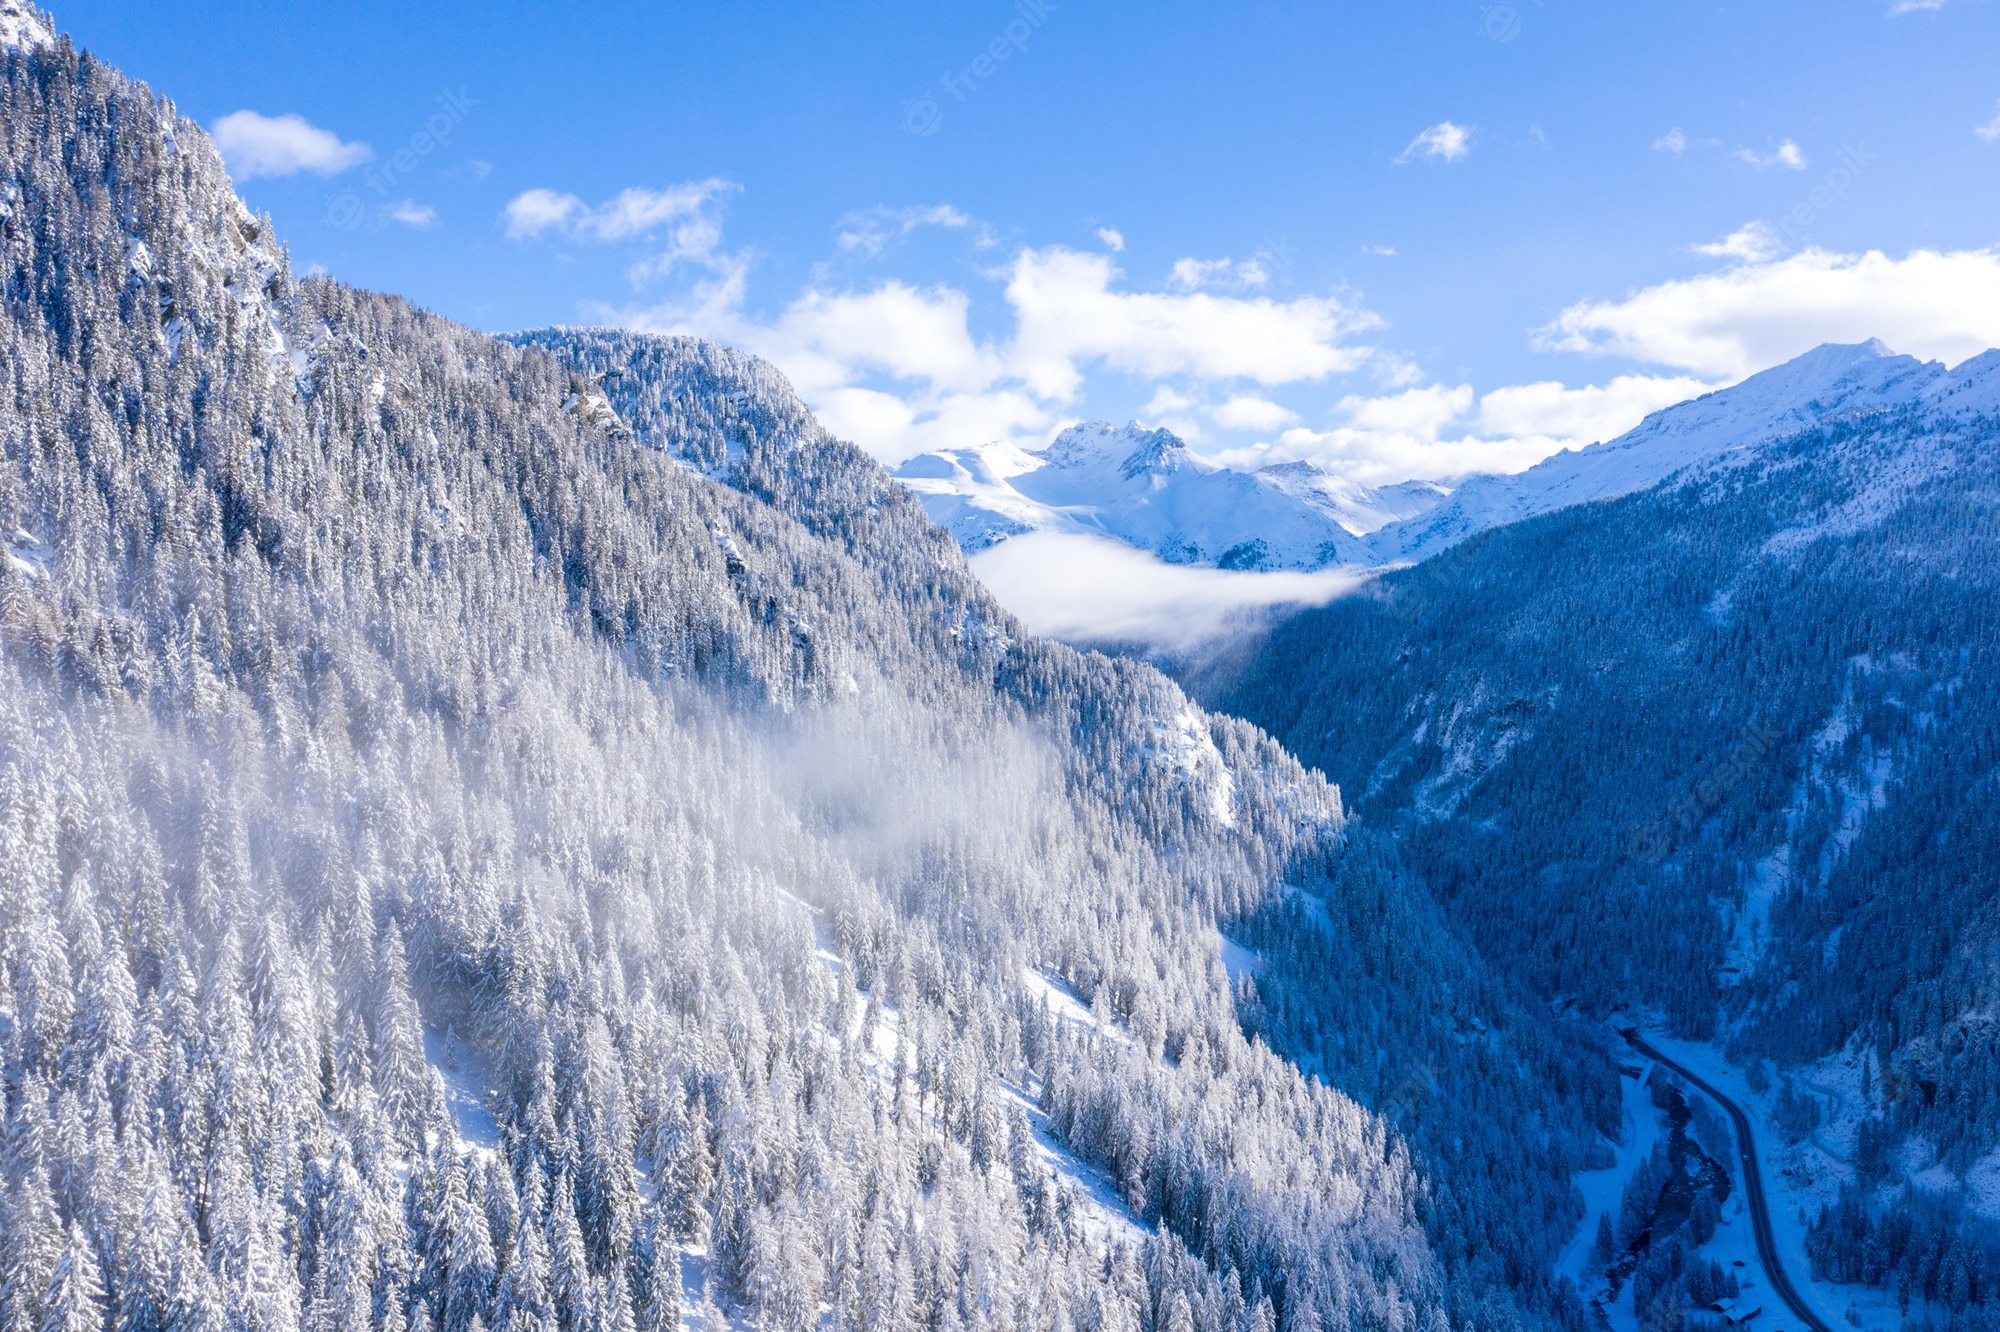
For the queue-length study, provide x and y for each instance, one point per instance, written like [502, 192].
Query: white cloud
[532, 212]
[1438, 431]
[1674, 141]
[413, 214]
[1580, 416]
[1114, 240]
[1421, 412]
[684, 222]
[1914, 6]
[1247, 412]
[697, 239]
[641, 212]
[894, 367]
[1753, 242]
[1725, 325]
[908, 333]
[873, 230]
[897, 367]
[1219, 275]
[1173, 410]
[1787, 154]
[1445, 141]
[1382, 251]
[1990, 131]
[255, 146]
[1093, 589]
[895, 426]
[631, 214]
[1067, 315]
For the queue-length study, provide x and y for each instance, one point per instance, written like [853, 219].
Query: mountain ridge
[1143, 486]
[1298, 516]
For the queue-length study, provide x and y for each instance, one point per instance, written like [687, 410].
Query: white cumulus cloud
[254, 145]
[898, 368]
[1069, 313]
[1579, 416]
[1438, 431]
[1753, 242]
[413, 214]
[1248, 412]
[1728, 324]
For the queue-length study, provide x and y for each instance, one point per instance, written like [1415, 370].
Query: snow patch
[25, 554]
[1185, 745]
[466, 1080]
[1861, 788]
[1639, 1128]
[24, 27]
[1237, 960]
[1982, 1186]
[1056, 996]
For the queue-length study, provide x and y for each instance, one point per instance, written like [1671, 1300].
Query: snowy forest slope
[370, 687]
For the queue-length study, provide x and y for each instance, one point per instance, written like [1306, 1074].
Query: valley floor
[1798, 1180]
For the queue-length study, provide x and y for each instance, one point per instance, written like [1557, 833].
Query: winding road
[1753, 1186]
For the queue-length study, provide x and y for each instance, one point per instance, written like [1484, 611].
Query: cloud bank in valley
[1085, 589]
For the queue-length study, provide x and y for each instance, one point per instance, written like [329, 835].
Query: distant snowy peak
[1131, 449]
[24, 27]
[1145, 487]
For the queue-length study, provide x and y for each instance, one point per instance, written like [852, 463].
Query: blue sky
[1402, 239]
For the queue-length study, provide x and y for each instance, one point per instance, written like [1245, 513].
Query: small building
[1736, 1312]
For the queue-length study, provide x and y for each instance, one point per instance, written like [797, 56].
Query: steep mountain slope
[1144, 487]
[484, 845]
[1364, 986]
[1726, 749]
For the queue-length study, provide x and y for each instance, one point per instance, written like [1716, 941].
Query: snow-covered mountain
[490, 842]
[1145, 488]
[1825, 384]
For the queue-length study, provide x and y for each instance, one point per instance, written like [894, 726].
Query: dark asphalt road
[1753, 1187]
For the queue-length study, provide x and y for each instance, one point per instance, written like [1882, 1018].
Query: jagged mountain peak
[1134, 448]
[1144, 486]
